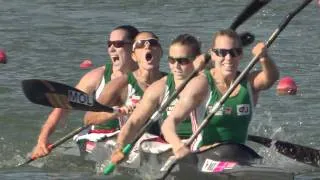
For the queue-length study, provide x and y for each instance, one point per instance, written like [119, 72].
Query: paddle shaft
[58, 142]
[218, 104]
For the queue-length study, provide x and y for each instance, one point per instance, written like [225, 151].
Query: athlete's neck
[147, 77]
[130, 67]
[222, 79]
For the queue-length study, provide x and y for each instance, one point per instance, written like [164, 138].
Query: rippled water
[48, 40]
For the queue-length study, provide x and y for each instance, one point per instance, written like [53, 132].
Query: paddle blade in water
[297, 152]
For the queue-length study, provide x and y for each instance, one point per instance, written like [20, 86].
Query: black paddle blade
[297, 152]
[57, 95]
[251, 9]
[246, 38]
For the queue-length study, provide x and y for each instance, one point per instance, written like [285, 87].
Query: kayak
[224, 161]
[97, 146]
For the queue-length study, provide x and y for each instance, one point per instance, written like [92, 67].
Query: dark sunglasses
[142, 43]
[180, 60]
[234, 52]
[117, 44]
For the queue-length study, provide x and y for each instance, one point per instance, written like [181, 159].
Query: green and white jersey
[189, 125]
[134, 95]
[111, 124]
[230, 123]
[105, 79]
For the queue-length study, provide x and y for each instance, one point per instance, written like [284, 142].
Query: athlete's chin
[179, 76]
[117, 66]
[117, 63]
[151, 67]
[227, 72]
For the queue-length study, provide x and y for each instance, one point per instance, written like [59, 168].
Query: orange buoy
[85, 64]
[3, 57]
[287, 86]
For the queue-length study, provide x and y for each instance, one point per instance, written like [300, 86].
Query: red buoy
[3, 57]
[86, 64]
[287, 86]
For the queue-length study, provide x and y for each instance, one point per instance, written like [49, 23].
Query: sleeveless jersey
[189, 125]
[230, 123]
[134, 95]
[114, 123]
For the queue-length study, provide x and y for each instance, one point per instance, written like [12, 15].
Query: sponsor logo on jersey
[171, 106]
[228, 110]
[135, 99]
[218, 113]
[243, 109]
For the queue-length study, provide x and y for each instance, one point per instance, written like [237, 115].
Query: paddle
[254, 7]
[57, 143]
[249, 10]
[297, 152]
[54, 94]
[171, 162]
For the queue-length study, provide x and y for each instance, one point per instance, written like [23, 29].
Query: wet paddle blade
[297, 152]
[246, 37]
[58, 95]
[250, 10]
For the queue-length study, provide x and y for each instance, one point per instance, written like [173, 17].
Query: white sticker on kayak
[209, 165]
[216, 166]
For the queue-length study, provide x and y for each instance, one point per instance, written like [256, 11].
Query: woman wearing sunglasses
[127, 90]
[227, 130]
[182, 52]
[119, 49]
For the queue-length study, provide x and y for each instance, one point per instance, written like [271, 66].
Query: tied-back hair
[189, 40]
[229, 33]
[148, 32]
[132, 31]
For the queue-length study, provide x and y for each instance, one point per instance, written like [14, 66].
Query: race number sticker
[243, 109]
[217, 166]
[209, 165]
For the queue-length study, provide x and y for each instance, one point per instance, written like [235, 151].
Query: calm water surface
[48, 40]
